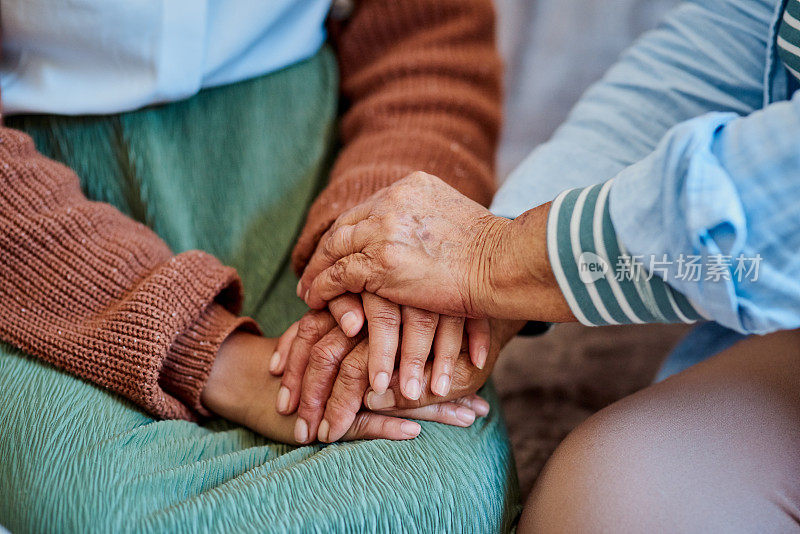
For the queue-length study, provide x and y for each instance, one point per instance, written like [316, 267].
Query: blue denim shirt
[697, 129]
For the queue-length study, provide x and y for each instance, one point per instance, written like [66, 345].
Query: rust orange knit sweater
[101, 296]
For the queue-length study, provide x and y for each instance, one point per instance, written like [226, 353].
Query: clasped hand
[412, 263]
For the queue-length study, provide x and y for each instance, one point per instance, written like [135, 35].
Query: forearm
[561, 262]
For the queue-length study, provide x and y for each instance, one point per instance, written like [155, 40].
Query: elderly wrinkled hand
[421, 243]
[413, 243]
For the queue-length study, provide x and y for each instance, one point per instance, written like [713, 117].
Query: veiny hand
[314, 352]
[241, 389]
[421, 243]
[417, 242]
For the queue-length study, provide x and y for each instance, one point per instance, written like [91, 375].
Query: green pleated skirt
[230, 171]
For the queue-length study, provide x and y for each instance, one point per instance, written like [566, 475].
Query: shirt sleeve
[720, 193]
[698, 221]
[601, 281]
[707, 225]
[707, 55]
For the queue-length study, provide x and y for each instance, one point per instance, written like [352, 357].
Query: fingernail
[305, 297]
[301, 431]
[465, 415]
[482, 354]
[442, 386]
[381, 382]
[283, 400]
[410, 428]
[299, 288]
[412, 389]
[324, 430]
[481, 407]
[350, 323]
[274, 362]
[382, 401]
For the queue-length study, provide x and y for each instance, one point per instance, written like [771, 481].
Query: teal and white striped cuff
[602, 283]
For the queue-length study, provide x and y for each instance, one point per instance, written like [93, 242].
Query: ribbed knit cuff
[188, 362]
[602, 283]
[100, 295]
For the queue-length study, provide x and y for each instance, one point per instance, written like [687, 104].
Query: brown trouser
[715, 448]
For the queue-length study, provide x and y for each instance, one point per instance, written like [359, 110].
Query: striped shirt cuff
[602, 283]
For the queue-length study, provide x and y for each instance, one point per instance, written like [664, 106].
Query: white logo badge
[591, 267]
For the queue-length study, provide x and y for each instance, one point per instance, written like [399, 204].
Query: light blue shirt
[697, 127]
[108, 56]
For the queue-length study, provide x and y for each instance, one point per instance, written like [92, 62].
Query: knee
[608, 475]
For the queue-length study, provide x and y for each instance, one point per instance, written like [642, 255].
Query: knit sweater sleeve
[421, 84]
[101, 296]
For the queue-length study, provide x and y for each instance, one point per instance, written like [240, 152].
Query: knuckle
[392, 225]
[327, 246]
[414, 363]
[386, 426]
[339, 270]
[441, 410]
[422, 321]
[452, 321]
[418, 176]
[388, 255]
[309, 404]
[323, 356]
[418, 330]
[386, 318]
[448, 355]
[294, 370]
[338, 409]
[394, 192]
[312, 326]
[352, 372]
[359, 426]
[291, 378]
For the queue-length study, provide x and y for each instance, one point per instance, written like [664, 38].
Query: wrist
[236, 358]
[521, 280]
[483, 259]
